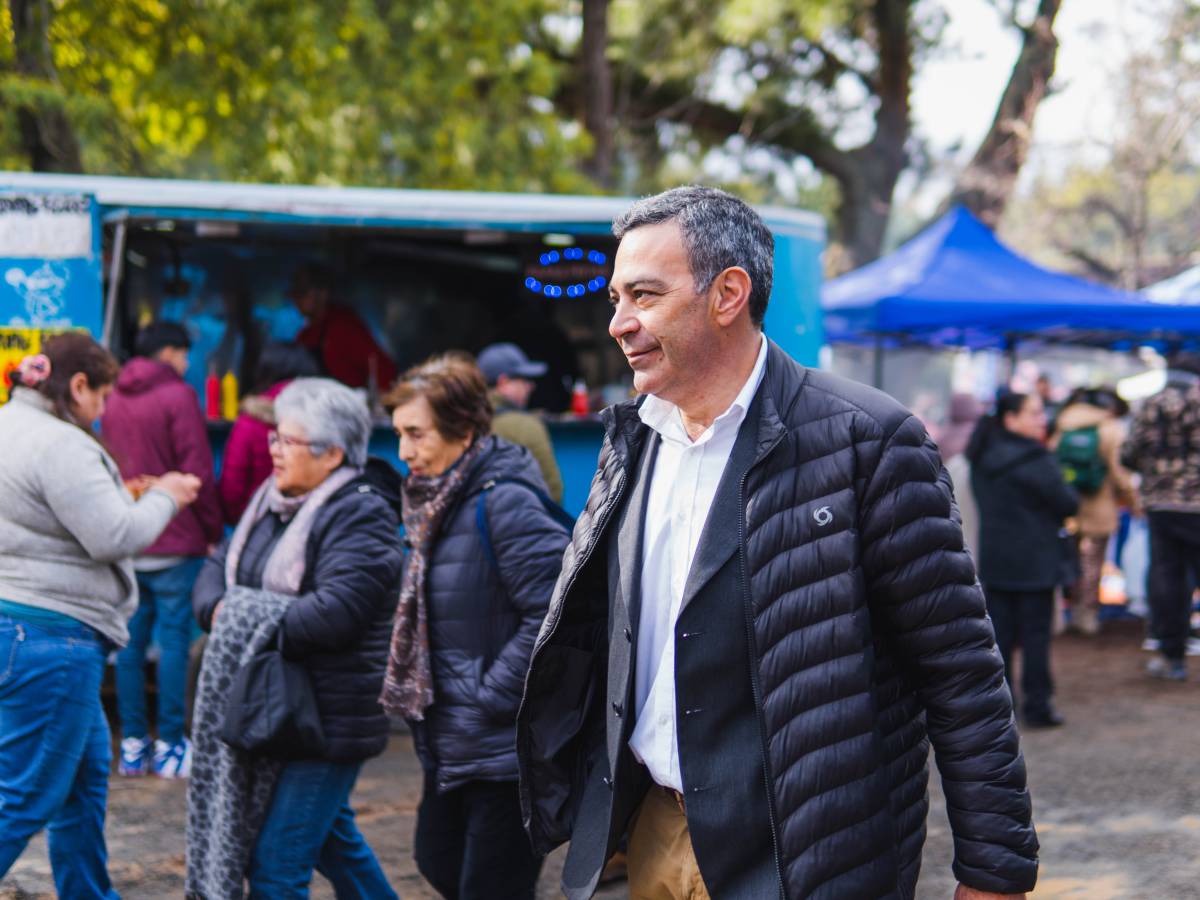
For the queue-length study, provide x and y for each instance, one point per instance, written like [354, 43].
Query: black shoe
[1048, 719]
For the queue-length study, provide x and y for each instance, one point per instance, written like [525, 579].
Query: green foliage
[427, 93]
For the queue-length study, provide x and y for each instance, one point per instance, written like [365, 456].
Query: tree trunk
[986, 185]
[869, 181]
[597, 91]
[46, 133]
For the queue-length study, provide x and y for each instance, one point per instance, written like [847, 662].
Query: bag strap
[556, 512]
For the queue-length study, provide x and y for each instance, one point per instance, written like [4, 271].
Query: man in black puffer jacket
[765, 616]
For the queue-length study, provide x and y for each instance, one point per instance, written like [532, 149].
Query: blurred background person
[1088, 443]
[512, 378]
[484, 555]
[1164, 448]
[1023, 502]
[153, 424]
[952, 436]
[246, 463]
[68, 532]
[322, 535]
[336, 335]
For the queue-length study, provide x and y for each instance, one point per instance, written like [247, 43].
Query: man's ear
[731, 295]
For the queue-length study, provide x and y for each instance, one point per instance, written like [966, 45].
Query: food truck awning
[144, 198]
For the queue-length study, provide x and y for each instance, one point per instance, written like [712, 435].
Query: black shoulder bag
[272, 709]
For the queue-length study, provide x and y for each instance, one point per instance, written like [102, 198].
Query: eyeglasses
[274, 439]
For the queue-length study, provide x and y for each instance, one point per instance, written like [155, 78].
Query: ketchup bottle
[579, 399]
[212, 394]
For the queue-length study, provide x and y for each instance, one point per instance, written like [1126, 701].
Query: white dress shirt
[682, 488]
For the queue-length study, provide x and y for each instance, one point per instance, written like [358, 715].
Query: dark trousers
[1024, 619]
[1174, 571]
[471, 845]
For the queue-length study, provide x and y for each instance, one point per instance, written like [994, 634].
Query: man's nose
[623, 321]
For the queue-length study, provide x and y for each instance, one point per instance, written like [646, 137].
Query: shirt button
[663, 721]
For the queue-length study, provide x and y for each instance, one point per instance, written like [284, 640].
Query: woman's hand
[181, 488]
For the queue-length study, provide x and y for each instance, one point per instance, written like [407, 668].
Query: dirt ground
[1116, 798]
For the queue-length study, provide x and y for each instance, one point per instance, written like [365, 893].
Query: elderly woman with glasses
[315, 561]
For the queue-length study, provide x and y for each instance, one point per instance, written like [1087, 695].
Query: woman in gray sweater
[68, 528]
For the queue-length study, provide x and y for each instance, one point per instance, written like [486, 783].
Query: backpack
[1079, 455]
[556, 512]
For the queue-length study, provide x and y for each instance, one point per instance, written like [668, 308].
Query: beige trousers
[662, 864]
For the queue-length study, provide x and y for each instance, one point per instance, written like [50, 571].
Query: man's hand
[969, 893]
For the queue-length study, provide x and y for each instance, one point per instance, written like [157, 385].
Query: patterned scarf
[408, 684]
[284, 571]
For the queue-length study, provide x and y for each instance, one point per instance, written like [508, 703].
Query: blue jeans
[310, 825]
[166, 601]
[55, 751]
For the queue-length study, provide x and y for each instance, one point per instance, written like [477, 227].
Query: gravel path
[1116, 798]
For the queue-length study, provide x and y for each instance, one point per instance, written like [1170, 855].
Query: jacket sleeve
[236, 471]
[1113, 434]
[84, 496]
[927, 600]
[356, 576]
[209, 588]
[1045, 478]
[543, 451]
[1136, 449]
[189, 437]
[529, 546]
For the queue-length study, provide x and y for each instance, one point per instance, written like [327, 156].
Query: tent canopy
[956, 284]
[1183, 288]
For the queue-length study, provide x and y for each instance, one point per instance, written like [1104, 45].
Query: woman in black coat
[324, 529]
[1022, 500]
[485, 548]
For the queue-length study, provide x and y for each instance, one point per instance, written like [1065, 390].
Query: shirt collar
[664, 417]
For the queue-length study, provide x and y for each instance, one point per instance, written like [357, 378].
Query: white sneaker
[1193, 645]
[173, 760]
[135, 758]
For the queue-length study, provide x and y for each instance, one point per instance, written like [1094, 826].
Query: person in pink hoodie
[247, 460]
[153, 425]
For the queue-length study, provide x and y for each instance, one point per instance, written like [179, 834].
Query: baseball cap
[507, 359]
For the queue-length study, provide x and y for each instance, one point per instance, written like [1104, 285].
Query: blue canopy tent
[956, 285]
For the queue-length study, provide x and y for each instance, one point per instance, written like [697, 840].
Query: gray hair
[331, 415]
[719, 231]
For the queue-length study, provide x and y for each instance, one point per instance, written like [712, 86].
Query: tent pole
[1010, 350]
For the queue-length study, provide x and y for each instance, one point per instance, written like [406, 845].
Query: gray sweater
[68, 527]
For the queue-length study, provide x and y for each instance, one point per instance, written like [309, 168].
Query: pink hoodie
[247, 462]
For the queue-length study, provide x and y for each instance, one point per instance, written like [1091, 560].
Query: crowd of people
[592, 684]
[1041, 503]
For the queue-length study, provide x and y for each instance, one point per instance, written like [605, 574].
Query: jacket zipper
[755, 687]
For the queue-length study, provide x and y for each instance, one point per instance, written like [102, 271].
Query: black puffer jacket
[868, 636]
[340, 624]
[1022, 500]
[483, 618]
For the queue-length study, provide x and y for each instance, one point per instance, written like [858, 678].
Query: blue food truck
[428, 271]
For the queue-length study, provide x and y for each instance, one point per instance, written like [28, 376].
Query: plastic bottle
[212, 394]
[579, 399]
[229, 396]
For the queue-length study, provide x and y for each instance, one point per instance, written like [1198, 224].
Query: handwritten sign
[15, 345]
[49, 261]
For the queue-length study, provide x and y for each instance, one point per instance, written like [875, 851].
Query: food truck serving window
[416, 291]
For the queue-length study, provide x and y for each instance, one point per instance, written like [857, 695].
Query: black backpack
[556, 512]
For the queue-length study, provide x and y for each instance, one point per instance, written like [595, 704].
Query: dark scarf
[408, 684]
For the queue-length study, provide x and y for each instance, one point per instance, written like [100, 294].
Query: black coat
[340, 624]
[868, 636]
[1022, 500]
[483, 618]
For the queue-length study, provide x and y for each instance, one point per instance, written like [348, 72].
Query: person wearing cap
[511, 378]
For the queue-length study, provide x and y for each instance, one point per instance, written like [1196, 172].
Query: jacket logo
[823, 516]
